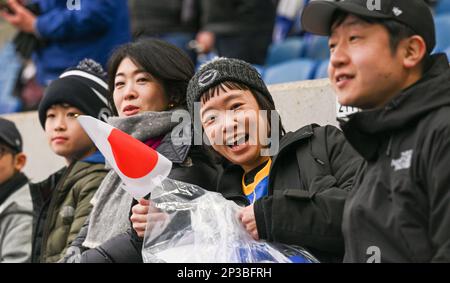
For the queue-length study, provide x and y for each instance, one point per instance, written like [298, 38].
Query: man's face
[7, 164]
[363, 70]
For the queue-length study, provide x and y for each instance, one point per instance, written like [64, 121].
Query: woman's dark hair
[397, 31]
[164, 61]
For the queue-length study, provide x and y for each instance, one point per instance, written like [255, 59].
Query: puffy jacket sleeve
[123, 248]
[85, 191]
[312, 218]
[438, 184]
[61, 23]
[76, 248]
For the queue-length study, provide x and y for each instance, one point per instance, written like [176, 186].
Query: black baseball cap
[318, 14]
[9, 135]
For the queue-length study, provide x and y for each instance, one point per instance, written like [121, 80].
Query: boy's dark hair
[7, 148]
[164, 61]
[397, 31]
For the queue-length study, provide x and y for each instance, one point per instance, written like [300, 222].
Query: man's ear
[20, 160]
[415, 49]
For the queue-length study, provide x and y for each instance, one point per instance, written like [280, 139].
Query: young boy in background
[63, 199]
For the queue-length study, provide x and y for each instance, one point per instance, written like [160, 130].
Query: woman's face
[234, 125]
[136, 90]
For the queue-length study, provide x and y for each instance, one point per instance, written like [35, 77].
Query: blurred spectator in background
[174, 21]
[239, 29]
[68, 31]
[287, 20]
[16, 207]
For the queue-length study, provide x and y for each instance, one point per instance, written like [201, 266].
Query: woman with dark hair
[165, 63]
[148, 80]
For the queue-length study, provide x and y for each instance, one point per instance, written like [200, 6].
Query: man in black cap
[399, 209]
[16, 208]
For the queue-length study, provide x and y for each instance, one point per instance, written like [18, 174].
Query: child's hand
[247, 217]
[140, 216]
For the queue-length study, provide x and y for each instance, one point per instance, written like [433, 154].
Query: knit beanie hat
[83, 87]
[221, 70]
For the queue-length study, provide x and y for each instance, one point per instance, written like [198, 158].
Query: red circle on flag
[133, 158]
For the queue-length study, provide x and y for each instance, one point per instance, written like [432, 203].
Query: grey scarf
[112, 204]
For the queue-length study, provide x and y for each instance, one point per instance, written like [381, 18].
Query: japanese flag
[140, 167]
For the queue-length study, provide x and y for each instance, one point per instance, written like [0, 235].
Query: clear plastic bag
[195, 225]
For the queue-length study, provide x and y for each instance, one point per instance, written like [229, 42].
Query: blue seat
[289, 49]
[322, 70]
[442, 7]
[316, 47]
[442, 23]
[295, 70]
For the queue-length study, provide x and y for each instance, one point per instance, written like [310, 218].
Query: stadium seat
[295, 70]
[442, 23]
[442, 7]
[316, 47]
[289, 49]
[322, 70]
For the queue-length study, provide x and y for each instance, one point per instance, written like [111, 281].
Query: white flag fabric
[140, 167]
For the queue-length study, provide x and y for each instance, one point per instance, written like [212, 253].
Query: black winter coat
[399, 210]
[309, 181]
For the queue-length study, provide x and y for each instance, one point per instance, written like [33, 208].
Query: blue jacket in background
[93, 31]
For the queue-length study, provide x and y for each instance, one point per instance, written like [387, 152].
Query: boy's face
[65, 134]
[363, 70]
[7, 164]
[136, 91]
[233, 124]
